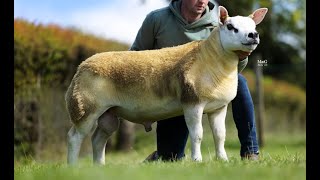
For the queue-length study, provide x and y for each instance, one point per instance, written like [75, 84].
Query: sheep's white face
[239, 33]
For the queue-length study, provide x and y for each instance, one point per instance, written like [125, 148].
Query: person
[179, 23]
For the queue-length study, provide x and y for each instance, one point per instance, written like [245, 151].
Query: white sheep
[147, 86]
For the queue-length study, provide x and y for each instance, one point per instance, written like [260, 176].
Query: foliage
[49, 54]
[279, 94]
[45, 59]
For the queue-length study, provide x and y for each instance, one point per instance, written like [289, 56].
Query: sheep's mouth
[255, 42]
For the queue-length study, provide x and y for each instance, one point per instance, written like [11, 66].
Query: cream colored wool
[196, 71]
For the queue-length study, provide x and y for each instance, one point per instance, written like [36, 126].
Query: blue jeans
[172, 134]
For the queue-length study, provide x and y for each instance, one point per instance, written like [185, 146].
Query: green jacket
[165, 27]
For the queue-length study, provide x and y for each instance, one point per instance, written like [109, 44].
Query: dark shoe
[250, 157]
[152, 157]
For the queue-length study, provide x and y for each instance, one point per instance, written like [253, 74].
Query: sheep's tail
[74, 101]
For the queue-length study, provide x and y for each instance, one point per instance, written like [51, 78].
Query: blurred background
[52, 37]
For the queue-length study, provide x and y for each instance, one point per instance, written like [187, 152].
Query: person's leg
[244, 118]
[172, 135]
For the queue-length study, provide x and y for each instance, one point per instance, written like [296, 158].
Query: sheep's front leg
[193, 118]
[217, 124]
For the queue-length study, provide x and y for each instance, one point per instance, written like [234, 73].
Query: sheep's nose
[253, 35]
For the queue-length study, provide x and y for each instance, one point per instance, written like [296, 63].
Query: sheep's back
[129, 67]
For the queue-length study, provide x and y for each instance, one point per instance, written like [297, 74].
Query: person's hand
[242, 54]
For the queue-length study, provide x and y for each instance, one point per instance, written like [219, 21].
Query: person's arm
[146, 35]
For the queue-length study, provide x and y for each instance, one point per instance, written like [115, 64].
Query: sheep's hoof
[148, 129]
[198, 159]
[147, 126]
[222, 158]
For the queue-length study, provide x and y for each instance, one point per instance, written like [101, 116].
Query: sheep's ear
[258, 15]
[223, 14]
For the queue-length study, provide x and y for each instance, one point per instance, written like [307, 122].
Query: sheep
[147, 86]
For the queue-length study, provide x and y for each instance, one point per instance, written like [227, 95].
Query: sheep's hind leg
[75, 137]
[107, 124]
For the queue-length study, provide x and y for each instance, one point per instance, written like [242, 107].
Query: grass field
[283, 157]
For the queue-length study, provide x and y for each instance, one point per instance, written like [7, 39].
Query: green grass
[283, 158]
[289, 167]
[279, 168]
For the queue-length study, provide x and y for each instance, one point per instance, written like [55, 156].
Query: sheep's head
[238, 33]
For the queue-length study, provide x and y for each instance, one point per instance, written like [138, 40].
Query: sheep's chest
[220, 94]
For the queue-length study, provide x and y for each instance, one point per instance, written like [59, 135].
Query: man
[179, 23]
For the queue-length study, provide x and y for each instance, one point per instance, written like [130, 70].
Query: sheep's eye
[230, 27]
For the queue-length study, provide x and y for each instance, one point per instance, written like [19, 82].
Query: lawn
[283, 157]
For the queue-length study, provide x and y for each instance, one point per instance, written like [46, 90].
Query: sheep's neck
[217, 66]
[212, 52]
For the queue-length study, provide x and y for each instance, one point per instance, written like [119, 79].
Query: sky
[117, 20]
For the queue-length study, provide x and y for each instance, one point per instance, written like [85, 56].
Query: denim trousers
[172, 134]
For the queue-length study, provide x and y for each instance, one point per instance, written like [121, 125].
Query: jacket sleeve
[242, 64]
[146, 35]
